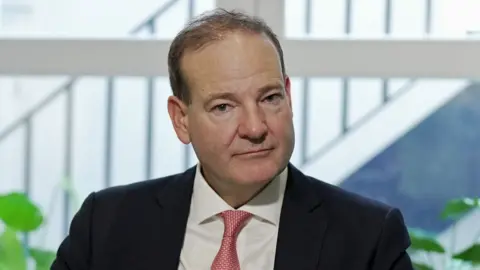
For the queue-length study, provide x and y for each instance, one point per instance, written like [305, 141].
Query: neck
[233, 194]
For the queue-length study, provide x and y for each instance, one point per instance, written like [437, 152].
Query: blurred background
[411, 142]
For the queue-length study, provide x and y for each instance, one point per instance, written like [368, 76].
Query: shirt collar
[267, 205]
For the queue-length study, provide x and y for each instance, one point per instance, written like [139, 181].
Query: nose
[253, 125]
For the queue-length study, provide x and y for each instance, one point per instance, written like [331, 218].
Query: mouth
[255, 153]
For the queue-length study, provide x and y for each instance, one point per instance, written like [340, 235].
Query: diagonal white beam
[330, 58]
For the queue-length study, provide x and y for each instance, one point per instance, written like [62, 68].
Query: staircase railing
[26, 122]
[346, 128]
[148, 23]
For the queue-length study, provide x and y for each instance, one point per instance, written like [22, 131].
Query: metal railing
[25, 121]
[346, 128]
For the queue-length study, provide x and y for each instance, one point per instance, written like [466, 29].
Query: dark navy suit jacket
[141, 226]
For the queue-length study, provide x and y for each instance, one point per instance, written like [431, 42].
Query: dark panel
[436, 161]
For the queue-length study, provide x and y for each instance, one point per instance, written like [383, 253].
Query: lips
[255, 152]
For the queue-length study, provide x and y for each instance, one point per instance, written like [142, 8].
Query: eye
[273, 98]
[221, 108]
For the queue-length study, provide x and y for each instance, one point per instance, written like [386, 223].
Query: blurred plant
[20, 215]
[426, 243]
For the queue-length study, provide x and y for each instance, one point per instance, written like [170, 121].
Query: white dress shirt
[256, 242]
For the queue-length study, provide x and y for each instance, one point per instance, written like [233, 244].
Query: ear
[178, 112]
[287, 90]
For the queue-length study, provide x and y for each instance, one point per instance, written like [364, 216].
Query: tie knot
[234, 221]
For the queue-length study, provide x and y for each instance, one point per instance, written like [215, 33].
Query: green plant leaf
[456, 208]
[3, 266]
[421, 241]
[420, 266]
[471, 255]
[12, 254]
[19, 213]
[43, 258]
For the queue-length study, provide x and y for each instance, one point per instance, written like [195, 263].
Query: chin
[255, 171]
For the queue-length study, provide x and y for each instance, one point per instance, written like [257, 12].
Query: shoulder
[105, 205]
[101, 209]
[378, 229]
[361, 219]
[355, 211]
[349, 201]
[112, 196]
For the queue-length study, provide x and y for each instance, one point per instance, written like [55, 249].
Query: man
[244, 206]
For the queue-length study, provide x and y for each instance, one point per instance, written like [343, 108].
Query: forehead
[239, 61]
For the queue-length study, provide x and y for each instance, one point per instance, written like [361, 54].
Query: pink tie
[227, 257]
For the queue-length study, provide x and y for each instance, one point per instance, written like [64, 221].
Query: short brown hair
[208, 27]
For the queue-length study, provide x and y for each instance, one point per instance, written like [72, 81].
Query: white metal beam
[246, 6]
[329, 58]
[109, 57]
[272, 11]
[383, 58]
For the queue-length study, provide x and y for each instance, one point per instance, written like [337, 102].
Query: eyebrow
[270, 86]
[224, 95]
[232, 96]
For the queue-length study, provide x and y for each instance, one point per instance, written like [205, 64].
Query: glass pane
[410, 143]
[17, 96]
[374, 18]
[96, 18]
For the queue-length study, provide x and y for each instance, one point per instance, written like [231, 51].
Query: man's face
[240, 117]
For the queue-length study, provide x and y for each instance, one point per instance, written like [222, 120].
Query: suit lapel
[175, 207]
[303, 223]
[150, 234]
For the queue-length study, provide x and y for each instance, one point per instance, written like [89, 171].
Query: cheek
[281, 130]
[280, 122]
[213, 135]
